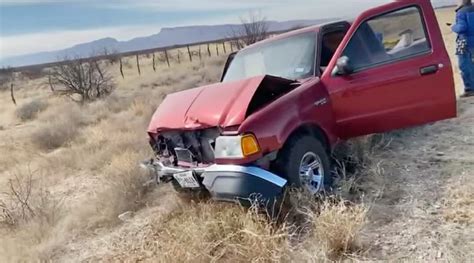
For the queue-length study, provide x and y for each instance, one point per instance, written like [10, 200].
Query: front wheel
[305, 164]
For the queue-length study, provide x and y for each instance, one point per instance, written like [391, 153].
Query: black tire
[290, 158]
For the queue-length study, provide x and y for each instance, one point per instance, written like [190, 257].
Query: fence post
[11, 93]
[121, 68]
[179, 57]
[138, 66]
[50, 83]
[154, 65]
[223, 45]
[167, 58]
[189, 53]
[231, 47]
[200, 56]
[209, 50]
[217, 49]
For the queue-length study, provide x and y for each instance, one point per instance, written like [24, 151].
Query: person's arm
[461, 23]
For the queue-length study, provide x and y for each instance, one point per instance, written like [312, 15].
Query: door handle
[429, 70]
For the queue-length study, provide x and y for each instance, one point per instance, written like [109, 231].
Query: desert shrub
[52, 135]
[81, 80]
[335, 229]
[213, 232]
[254, 28]
[124, 190]
[359, 166]
[31, 109]
[27, 200]
[58, 129]
[219, 232]
[30, 212]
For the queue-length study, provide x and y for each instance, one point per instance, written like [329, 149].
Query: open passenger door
[391, 71]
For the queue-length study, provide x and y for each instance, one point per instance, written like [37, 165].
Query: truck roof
[314, 28]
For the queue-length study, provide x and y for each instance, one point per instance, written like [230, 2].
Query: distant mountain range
[166, 37]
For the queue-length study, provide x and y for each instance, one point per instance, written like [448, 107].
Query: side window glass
[389, 37]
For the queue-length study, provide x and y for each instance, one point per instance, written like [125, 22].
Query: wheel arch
[312, 130]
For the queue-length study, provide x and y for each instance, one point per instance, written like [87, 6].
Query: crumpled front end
[187, 135]
[232, 183]
[187, 158]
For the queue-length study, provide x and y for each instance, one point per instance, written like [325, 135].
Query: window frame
[300, 34]
[329, 28]
[395, 60]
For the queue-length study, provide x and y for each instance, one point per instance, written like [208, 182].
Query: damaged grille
[187, 148]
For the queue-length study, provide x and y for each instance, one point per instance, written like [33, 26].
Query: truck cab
[285, 102]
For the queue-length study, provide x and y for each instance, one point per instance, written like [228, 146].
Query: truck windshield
[290, 58]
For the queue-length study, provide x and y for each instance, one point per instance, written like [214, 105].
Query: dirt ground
[412, 192]
[424, 209]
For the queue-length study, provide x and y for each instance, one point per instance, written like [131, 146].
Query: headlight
[236, 146]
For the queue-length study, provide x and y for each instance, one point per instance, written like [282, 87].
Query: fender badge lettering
[321, 102]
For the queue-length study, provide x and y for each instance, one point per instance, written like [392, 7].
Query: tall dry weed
[30, 110]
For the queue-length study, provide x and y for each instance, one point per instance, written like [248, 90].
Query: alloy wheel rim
[311, 172]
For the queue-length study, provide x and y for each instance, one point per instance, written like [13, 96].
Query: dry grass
[335, 231]
[219, 232]
[94, 168]
[30, 110]
[88, 157]
[58, 129]
[359, 167]
[124, 189]
[30, 210]
[459, 202]
[87, 164]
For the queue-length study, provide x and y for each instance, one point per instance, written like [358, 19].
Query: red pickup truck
[284, 103]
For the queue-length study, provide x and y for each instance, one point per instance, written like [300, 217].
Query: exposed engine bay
[195, 148]
[186, 148]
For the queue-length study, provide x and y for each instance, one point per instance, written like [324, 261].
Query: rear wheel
[305, 164]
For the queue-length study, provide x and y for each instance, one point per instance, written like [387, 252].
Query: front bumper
[228, 182]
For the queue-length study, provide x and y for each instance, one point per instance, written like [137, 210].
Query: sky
[30, 26]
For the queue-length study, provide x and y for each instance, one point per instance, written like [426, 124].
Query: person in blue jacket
[464, 28]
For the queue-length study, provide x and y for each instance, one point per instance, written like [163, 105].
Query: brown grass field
[68, 171]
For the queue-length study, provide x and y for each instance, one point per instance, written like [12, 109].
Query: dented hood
[217, 105]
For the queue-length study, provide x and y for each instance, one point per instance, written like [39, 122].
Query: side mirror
[343, 67]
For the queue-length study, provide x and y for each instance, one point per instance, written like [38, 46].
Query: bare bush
[81, 80]
[31, 109]
[254, 28]
[112, 56]
[27, 200]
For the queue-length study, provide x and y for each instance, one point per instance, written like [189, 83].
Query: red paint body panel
[273, 124]
[217, 105]
[386, 97]
[393, 95]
